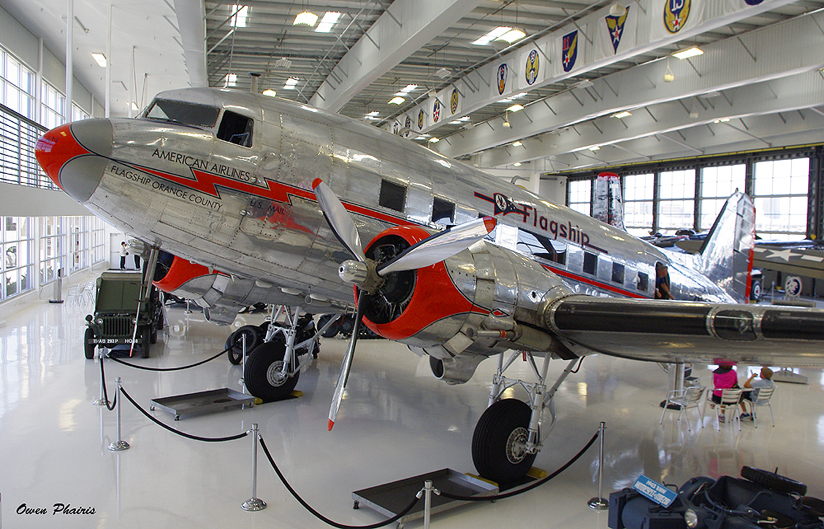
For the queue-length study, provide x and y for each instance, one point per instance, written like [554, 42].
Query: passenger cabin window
[443, 212]
[643, 282]
[590, 263]
[183, 113]
[543, 247]
[618, 273]
[392, 195]
[236, 129]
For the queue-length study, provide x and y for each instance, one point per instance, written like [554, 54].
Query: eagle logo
[676, 13]
[615, 25]
[503, 70]
[420, 119]
[532, 65]
[436, 111]
[569, 50]
[453, 100]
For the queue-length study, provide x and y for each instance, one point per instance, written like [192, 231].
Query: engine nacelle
[481, 301]
[456, 369]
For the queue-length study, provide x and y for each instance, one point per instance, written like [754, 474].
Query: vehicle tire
[773, 481]
[88, 348]
[146, 340]
[498, 441]
[333, 329]
[235, 342]
[262, 375]
[755, 290]
[153, 337]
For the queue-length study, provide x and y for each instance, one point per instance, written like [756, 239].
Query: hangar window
[235, 128]
[181, 112]
[392, 195]
[618, 273]
[443, 212]
[590, 263]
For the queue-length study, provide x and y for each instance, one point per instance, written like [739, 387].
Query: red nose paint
[55, 148]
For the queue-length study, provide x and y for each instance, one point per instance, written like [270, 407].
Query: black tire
[146, 340]
[773, 481]
[153, 337]
[88, 348]
[333, 329]
[501, 426]
[755, 290]
[262, 369]
[235, 342]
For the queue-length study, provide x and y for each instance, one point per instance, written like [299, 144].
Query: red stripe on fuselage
[208, 183]
[575, 277]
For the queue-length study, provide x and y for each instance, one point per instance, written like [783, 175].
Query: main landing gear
[508, 435]
[272, 368]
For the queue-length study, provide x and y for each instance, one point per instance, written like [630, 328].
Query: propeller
[369, 276]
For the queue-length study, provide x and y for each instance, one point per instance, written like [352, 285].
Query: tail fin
[727, 253]
[607, 202]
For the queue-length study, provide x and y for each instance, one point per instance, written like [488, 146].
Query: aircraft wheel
[333, 329]
[755, 290]
[499, 441]
[88, 348]
[235, 342]
[263, 375]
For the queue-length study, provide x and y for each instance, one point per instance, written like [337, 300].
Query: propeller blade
[339, 219]
[346, 365]
[440, 246]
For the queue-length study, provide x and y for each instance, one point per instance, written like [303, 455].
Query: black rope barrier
[527, 488]
[105, 393]
[178, 432]
[180, 368]
[321, 517]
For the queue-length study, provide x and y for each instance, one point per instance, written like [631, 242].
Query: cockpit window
[235, 128]
[180, 112]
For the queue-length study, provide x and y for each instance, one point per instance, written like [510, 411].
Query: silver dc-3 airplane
[246, 198]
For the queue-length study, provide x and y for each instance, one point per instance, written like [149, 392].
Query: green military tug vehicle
[116, 307]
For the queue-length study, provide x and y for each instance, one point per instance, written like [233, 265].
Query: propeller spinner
[369, 276]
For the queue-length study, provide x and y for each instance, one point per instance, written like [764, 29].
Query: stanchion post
[598, 502]
[428, 489]
[101, 401]
[120, 444]
[243, 367]
[254, 503]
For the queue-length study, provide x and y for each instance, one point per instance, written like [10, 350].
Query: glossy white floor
[396, 421]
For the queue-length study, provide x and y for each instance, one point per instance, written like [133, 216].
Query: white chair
[730, 400]
[761, 399]
[690, 397]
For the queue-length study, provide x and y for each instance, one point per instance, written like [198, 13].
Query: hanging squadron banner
[534, 63]
[671, 17]
[570, 47]
[616, 33]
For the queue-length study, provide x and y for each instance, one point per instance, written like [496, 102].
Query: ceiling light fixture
[516, 107]
[328, 20]
[689, 52]
[283, 62]
[443, 73]
[397, 100]
[668, 75]
[291, 83]
[135, 107]
[100, 59]
[517, 164]
[616, 10]
[623, 114]
[306, 18]
[239, 19]
[517, 143]
[722, 120]
[512, 35]
[595, 148]
[492, 35]
[434, 140]
[269, 92]
[231, 79]
[586, 83]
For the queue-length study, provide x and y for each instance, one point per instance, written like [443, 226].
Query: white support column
[67, 108]
[38, 79]
[106, 103]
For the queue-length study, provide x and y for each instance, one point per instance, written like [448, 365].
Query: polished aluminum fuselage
[250, 212]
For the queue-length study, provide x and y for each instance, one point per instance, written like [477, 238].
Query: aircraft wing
[787, 258]
[675, 331]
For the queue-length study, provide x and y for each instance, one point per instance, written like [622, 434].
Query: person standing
[124, 251]
[136, 261]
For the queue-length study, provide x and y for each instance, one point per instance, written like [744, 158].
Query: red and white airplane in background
[264, 200]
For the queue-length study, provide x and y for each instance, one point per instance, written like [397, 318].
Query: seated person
[723, 378]
[765, 382]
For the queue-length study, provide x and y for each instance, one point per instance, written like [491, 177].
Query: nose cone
[74, 155]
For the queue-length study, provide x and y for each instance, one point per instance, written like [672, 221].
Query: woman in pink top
[724, 377]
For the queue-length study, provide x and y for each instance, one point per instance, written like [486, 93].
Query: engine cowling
[479, 302]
